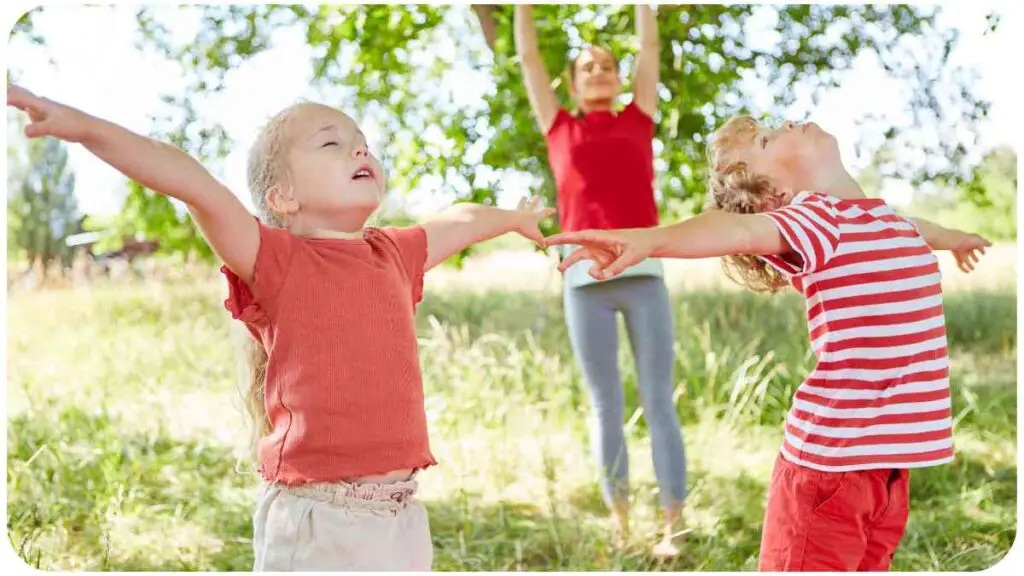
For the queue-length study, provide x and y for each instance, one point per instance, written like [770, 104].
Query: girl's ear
[280, 200]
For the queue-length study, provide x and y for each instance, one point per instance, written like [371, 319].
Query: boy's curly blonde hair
[733, 187]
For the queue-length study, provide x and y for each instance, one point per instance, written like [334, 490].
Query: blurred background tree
[397, 66]
[41, 207]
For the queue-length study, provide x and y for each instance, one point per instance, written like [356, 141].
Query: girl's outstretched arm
[462, 225]
[538, 83]
[225, 223]
[645, 79]
[711, 234]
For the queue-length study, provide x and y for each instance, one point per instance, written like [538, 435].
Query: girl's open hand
[528, 214]
[48, 118]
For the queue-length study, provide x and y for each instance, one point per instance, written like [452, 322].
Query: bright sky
[97, 68]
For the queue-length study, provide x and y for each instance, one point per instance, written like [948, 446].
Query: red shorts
[833, 521]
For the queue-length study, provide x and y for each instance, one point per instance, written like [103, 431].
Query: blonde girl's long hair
[266, 167]
[255, 377]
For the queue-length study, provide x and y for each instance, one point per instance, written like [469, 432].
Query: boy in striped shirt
[784, 210]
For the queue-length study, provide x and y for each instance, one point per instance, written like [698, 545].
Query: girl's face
[332, 178]
[595, 76]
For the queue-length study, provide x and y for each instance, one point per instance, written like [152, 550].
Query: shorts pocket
[833, 493]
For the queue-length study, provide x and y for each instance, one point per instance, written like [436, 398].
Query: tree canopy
[395, 64]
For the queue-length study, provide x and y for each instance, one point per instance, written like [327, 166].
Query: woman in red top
[603, 162]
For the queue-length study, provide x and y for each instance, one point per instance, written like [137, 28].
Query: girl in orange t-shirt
[337, 395]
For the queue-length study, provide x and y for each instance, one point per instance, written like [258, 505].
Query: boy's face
[794, 157]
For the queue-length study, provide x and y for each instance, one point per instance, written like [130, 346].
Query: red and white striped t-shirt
[879, 395]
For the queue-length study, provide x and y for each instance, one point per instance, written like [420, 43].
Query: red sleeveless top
[603, 164]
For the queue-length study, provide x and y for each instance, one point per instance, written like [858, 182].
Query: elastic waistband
[393, 496]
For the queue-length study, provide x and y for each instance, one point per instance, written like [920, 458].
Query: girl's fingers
[535, 235]
[38, 129]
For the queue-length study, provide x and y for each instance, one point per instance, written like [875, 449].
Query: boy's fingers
[573, 257]
[620, 264]
[582, 237]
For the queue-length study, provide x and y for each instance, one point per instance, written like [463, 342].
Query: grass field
[125, 434]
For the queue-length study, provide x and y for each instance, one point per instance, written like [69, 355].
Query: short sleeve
[810, 225]
[638, 116]
[250, 303]
[411, 243]
[561, 118]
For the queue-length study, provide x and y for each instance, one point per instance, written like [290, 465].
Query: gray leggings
[590, 315]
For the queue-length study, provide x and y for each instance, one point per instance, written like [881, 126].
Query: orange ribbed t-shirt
[344, 392]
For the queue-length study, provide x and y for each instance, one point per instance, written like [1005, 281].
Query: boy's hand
[528, 215]
[966, 251]
[48, 118]
[612, 251]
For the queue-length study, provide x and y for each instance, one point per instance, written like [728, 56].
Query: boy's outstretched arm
[462, 225]
[225, 223]
[965, 246]
[711, 234]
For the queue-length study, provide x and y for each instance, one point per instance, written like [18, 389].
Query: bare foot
[620, 524]
[666, 549]
[620, 535]
[673, 534]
